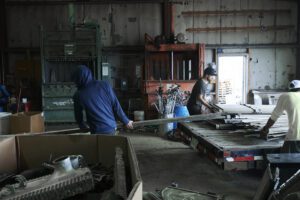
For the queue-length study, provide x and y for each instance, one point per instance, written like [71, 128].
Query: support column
[3, 40]
[168, 18]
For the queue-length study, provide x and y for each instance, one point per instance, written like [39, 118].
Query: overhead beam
[141, 48]
[246, 28]
[235, 12]
[252, 46]
[80, 2]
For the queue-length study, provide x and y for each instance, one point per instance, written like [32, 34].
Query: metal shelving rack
[61, 52]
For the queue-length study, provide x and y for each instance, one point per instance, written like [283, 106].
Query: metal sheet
[229, 140]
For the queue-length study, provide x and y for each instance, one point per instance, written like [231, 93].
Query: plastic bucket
[164, 129]
[139, 115]
[180, 111]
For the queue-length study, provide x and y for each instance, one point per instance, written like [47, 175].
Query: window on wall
[232, 79]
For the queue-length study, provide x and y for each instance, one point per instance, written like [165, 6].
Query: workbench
[233, 149]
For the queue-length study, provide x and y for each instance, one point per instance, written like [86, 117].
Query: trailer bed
[234, 149]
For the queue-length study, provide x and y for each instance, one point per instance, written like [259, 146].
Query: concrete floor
[162, 162]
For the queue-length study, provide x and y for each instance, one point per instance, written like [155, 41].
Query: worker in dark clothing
[100, 103]
[4, 97]
[200, 98]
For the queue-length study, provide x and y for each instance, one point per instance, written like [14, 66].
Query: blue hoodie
[4, 96]
[98, 100]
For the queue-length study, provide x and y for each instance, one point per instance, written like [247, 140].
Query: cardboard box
[4, 123]
[27, 122]
[21, 152]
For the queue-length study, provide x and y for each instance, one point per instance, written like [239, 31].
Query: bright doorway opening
[232, 79]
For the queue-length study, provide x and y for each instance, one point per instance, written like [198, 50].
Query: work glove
[264, 133]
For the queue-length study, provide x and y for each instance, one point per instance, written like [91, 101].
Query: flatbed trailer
[232, 149]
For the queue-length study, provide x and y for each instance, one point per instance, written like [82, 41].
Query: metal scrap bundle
[66, 177]
[174, 193]
[166, 103]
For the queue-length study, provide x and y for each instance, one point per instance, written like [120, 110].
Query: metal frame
[57, 105]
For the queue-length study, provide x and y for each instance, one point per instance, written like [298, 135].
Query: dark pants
[194, 109]
[291, 147]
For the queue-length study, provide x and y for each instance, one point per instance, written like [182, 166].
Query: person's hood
[82, 76]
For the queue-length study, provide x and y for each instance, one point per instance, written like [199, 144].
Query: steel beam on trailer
[203, 117]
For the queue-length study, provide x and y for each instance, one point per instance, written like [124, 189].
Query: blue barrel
[180, 111]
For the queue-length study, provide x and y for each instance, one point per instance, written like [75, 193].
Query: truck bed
[235, 149]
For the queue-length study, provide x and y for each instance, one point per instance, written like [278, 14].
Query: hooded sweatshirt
[98, 100]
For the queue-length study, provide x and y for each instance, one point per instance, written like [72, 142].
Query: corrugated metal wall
[269, 67]
[121, 24]
[125, 24]
[183, 22]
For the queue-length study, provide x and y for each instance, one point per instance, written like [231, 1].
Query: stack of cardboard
[27, 122]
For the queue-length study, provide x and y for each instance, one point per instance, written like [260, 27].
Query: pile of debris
[271, 187]
[174, 193]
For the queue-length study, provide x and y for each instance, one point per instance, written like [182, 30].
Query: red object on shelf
[27, 107]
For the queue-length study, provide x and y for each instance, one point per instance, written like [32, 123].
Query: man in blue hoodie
[100, 103]
[4, 97]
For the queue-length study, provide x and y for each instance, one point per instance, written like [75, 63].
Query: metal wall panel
[285, 67]
[121, 24]
[262, 69]
[102, 15]
[272, 69]
[126, 24]
[23, 23]
[207, 21]
[151, 20]
[182, 22]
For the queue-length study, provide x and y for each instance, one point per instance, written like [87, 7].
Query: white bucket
[139, 115]
[167, 127]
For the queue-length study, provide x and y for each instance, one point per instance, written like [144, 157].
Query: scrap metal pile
[67, 177]
[174, 96]
[270, 187]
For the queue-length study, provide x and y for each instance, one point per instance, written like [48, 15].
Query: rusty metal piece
[120, 187]
[269, 181]
[172, 193]
[67, 180]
